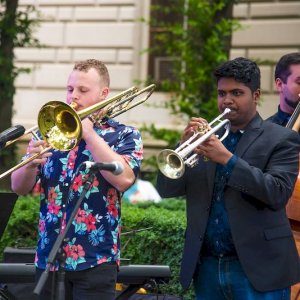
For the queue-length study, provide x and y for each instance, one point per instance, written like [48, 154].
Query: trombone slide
[60, 125]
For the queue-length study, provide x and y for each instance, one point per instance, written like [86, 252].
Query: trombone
[172, 162]
[60, 125]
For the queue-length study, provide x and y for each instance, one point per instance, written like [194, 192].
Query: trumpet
[60, 125]
[172, 162]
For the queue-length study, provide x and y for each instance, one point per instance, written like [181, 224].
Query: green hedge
[152, 234]
[21, 230]
[161, 244]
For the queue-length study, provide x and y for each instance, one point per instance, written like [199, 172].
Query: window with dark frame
[160, 64]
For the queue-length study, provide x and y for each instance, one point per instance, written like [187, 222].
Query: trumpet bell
[170, 164]
[60, 125]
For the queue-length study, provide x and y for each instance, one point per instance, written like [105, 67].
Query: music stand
[7, 204]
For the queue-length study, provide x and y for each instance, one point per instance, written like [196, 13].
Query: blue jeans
[223, 278]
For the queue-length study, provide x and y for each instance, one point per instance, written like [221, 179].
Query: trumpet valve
[203, 128]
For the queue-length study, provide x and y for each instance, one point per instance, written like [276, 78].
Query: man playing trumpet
[92, 251]
[238, 241]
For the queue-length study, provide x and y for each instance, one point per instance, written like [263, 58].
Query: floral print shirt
[94, 236]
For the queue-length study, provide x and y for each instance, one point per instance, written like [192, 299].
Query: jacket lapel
[252, 131]
[250, 134]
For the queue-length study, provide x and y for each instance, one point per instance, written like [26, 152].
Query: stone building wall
[270, 30]
[108, 30]
[75, 30]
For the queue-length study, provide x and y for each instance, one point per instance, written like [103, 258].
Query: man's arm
[102, 152]
[24, 178]
[272, 184]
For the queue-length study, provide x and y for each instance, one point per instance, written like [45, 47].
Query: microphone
[10, 134]
[115, 167]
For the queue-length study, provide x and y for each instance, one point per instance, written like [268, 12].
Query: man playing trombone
[92, 247]
[238, 241]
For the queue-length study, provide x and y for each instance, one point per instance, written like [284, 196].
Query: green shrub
[152, 234]
[161, 242]
[21, 230]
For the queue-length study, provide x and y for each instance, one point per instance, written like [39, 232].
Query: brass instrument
[294, 121]
[172, 162]
[293, 205]
[60, 125]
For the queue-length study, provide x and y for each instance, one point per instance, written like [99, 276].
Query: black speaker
[18, 290]
[18, 255]
[22, 289]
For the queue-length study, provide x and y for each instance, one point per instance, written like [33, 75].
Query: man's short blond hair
[99, 66]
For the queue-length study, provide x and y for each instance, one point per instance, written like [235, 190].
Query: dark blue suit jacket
[255, 197]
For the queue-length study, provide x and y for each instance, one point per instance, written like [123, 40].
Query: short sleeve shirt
[94, 236]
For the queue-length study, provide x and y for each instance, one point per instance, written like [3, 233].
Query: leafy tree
[197, 37]
[16, 30]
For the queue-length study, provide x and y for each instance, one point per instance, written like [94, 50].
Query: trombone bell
[60, 125]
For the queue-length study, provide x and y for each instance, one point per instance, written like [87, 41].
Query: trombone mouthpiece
[74, 105]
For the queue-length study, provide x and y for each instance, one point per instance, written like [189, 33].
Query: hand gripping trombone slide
[60, 125]
[172, 162]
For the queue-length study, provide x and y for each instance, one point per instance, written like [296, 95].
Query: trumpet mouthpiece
[226, 111]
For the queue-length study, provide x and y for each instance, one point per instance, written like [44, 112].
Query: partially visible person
[287, 81]
[238, 240]
[141, 191]
[92, 248]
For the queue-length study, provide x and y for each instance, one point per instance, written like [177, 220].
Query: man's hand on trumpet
[195, 126]
[213, 149]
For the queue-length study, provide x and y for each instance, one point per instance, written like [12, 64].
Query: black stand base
[5, 294]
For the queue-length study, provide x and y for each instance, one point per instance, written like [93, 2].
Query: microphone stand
[57, 251]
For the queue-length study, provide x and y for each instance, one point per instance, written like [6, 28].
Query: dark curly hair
[242, 70]
[282, 69]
